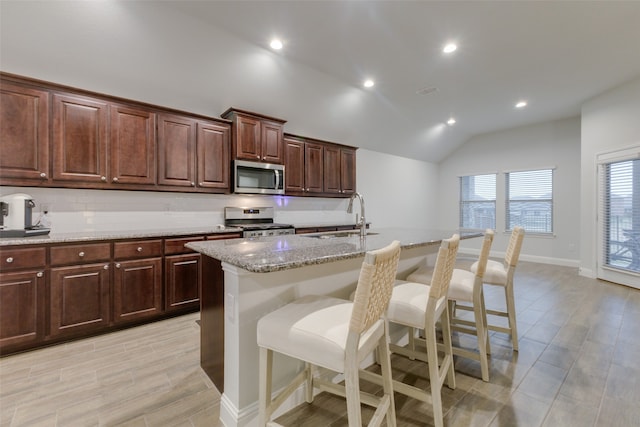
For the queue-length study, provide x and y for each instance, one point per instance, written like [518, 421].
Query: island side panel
[212, 321]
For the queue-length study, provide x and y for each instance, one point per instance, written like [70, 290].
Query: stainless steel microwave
[257, 178]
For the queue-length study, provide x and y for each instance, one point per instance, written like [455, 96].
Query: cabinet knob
[201, 184]
[9, 260]
[43, 175]
[139, 249]
[193, 184]
[81, 254]
[115, 179]
[106, 267]
[117, 265]
[103, 178]
[39, 274]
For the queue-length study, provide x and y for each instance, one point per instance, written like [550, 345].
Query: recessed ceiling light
[451, 121]
[449, 47]
[368, 83]
[521, 104]
[276, 44]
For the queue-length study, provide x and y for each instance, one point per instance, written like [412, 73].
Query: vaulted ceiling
[555, 55]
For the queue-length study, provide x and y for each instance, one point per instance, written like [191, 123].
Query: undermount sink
[334, 234]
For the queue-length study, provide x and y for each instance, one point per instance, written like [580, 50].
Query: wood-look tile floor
[577, 366]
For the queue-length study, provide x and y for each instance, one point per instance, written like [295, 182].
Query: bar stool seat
[314, 328]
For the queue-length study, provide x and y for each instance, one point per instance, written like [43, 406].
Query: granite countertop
[83, 236]
[268, 254]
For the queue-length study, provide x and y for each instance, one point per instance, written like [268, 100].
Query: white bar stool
[335, 334]
[501, 274]
[420, 306]
[466, 287]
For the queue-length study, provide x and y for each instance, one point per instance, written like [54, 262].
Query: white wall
[399, 192]
[610, 121]
[147, 53]
[551, 144]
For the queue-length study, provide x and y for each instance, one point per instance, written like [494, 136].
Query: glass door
[619, 206]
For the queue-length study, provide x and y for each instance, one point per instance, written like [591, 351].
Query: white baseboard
[565, 262]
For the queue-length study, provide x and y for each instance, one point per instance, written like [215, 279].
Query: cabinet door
[272, 146]
[137, 289]
[314, 168]
[332, 170]
[21, 308]
[24, 132]
[133, 145]
[79, 298]
[247, 139]
[79, 139]
[183, 278]
[294, 165]
[348, 171]
[176, 146]
[213, 155]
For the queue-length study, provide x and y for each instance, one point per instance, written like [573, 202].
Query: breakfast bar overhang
[254, 276]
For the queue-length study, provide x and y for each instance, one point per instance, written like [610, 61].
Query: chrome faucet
[362, 223]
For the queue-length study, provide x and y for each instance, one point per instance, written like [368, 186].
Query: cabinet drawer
[137, 249]
[176, 246]
[12, 259]
[73, 254]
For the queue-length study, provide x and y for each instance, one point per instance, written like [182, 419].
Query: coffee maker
[16, 211]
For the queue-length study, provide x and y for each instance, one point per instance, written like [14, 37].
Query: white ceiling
[554, 54]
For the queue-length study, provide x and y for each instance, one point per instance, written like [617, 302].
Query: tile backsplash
[71, 210]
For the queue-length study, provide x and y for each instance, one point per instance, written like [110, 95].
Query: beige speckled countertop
[83, 236]
[268, 254]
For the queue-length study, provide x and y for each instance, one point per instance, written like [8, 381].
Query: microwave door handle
[278, 178]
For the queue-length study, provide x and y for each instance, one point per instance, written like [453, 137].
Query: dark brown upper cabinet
[133, 145]
[193, 153]
[321, 168]
[24, 133]
[97, 142]
[79, 139]
[256, 137]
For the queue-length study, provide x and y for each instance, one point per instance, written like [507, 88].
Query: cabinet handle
[115, 179]
[117, 265]
[139, 249]
[81, 254]
[103, 178]
[106, 267]
[9, 260]
[43, 175]
[39, 274]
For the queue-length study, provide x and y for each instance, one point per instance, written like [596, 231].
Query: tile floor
[577, 366]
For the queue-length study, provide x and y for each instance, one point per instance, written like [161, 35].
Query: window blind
[478, 202]
[620, 211]
[529, 200]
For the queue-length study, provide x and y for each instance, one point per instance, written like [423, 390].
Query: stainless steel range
[255, 222]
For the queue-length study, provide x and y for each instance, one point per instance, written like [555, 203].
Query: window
[478, 202]
[530, 200]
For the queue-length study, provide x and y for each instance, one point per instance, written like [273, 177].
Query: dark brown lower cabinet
[79, 299]
[21, 308]
[183, 276]
[137, 289]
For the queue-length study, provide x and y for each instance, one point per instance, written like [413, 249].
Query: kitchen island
[263, 274]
